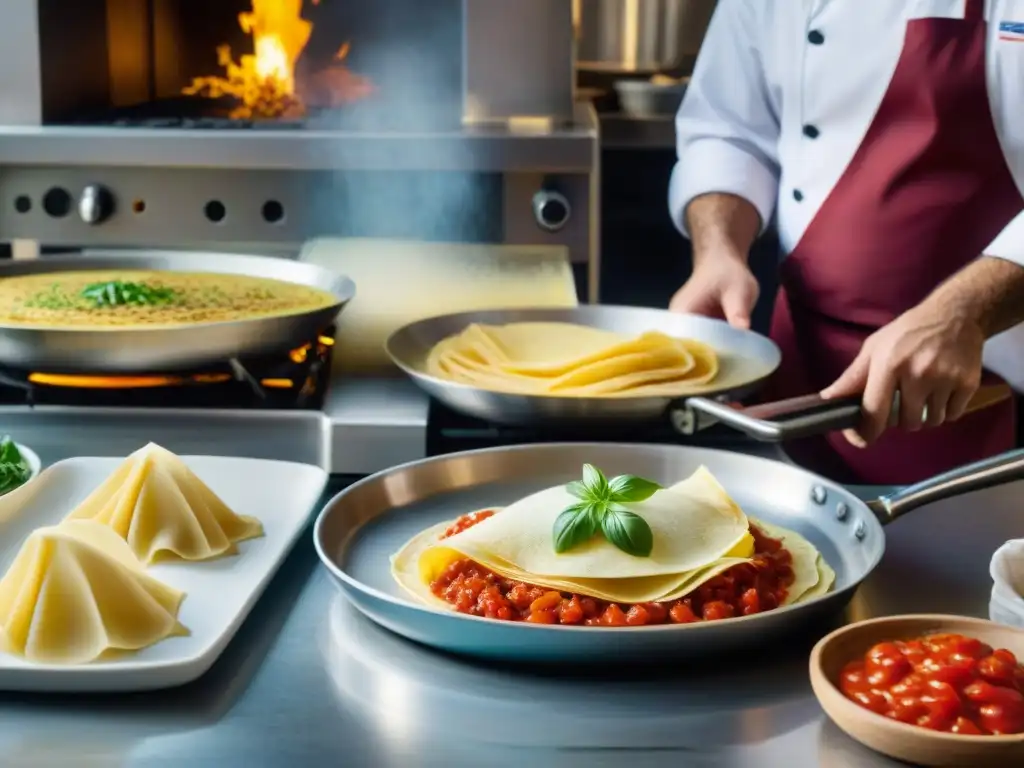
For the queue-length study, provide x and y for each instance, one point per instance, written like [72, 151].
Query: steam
[412, 53]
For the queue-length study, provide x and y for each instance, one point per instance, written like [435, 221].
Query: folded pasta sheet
[563, 359]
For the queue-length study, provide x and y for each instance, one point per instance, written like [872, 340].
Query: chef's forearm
[721, 226]
[989, 292]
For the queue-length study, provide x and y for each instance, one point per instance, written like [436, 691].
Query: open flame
[80, 381]
[264, 81]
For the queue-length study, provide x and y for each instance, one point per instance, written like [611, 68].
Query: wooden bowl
[910, 743]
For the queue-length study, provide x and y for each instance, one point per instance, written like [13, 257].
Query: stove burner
[450, 432]
[295, 380]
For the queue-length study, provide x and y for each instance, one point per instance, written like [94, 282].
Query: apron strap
[974, 10]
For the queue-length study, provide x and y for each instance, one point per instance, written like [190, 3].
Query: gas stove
[296, 379]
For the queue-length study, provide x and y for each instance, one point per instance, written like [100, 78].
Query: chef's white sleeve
[1009, 244]
[727, 128]
[1004, 354]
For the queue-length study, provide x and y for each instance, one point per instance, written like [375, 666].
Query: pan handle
[998, 470]
[790, 419]
[811, 415]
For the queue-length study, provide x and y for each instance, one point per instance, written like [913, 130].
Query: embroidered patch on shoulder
[1011, 31]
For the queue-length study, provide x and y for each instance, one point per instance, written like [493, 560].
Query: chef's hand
[721, 286]
[930, 356]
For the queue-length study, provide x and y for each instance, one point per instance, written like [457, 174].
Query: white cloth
[760, 86]
[1007, 570]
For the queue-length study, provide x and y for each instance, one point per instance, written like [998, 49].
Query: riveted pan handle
[811, 415]
[998, 470]
[786, 419]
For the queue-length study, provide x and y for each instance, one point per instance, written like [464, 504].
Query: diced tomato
[682, 613]
[571, 611]
[946, 683]
[613, 616]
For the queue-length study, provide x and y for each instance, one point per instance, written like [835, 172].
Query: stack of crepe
[561, 359]
[699, 532]
[79, 591]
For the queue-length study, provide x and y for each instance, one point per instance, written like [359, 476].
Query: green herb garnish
[600, 509]
[14, 471]
[116, 293]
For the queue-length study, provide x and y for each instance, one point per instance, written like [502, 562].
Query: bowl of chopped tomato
[931, 690]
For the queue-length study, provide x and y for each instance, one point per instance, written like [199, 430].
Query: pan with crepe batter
[120, 312]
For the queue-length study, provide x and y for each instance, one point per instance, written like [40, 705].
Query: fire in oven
[239, 64]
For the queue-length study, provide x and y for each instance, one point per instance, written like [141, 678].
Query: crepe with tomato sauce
[699, 533]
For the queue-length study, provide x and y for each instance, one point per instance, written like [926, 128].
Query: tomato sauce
[743, 590]
[946, 683]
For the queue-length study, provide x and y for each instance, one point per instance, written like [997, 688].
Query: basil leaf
[117, 293]
[631, 488]
[9, 451]
[597, 511]
[628, 532]
[595, 481]
[12, 475]
[573, 527]
[579, 490]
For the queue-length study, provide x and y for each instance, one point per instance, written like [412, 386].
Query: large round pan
[746, 360]
[165, 349]
[362, 526]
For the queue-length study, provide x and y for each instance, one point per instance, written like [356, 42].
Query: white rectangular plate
[219, 593]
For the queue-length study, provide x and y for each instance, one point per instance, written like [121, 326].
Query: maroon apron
[926, 192]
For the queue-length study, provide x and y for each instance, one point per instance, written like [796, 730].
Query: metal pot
[639, 36]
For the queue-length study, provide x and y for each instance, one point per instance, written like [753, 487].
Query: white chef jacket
[769, 112]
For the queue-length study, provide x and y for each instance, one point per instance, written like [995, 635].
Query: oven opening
[252, 64]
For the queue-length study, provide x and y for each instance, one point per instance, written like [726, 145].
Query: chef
[887, 140]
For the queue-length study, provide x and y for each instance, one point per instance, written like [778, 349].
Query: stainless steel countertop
[309, 682]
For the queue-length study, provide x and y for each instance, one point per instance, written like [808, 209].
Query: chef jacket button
[814, 37]
[811, 132]
[798, 195]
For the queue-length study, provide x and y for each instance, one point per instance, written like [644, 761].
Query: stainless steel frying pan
[746, 360]
[166, 349]
[362, 526]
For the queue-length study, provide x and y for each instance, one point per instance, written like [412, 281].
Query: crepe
[420, 561]
[75, 591]
[67, 300]
[699, 532]
[162, 509]
[813, 577]
[562, 359]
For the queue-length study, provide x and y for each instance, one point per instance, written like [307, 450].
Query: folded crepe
[562, 359]
[699, 532]
[76, 591]
[163, 510]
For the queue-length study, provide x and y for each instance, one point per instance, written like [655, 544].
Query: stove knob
[551, 209]
[96, 204]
